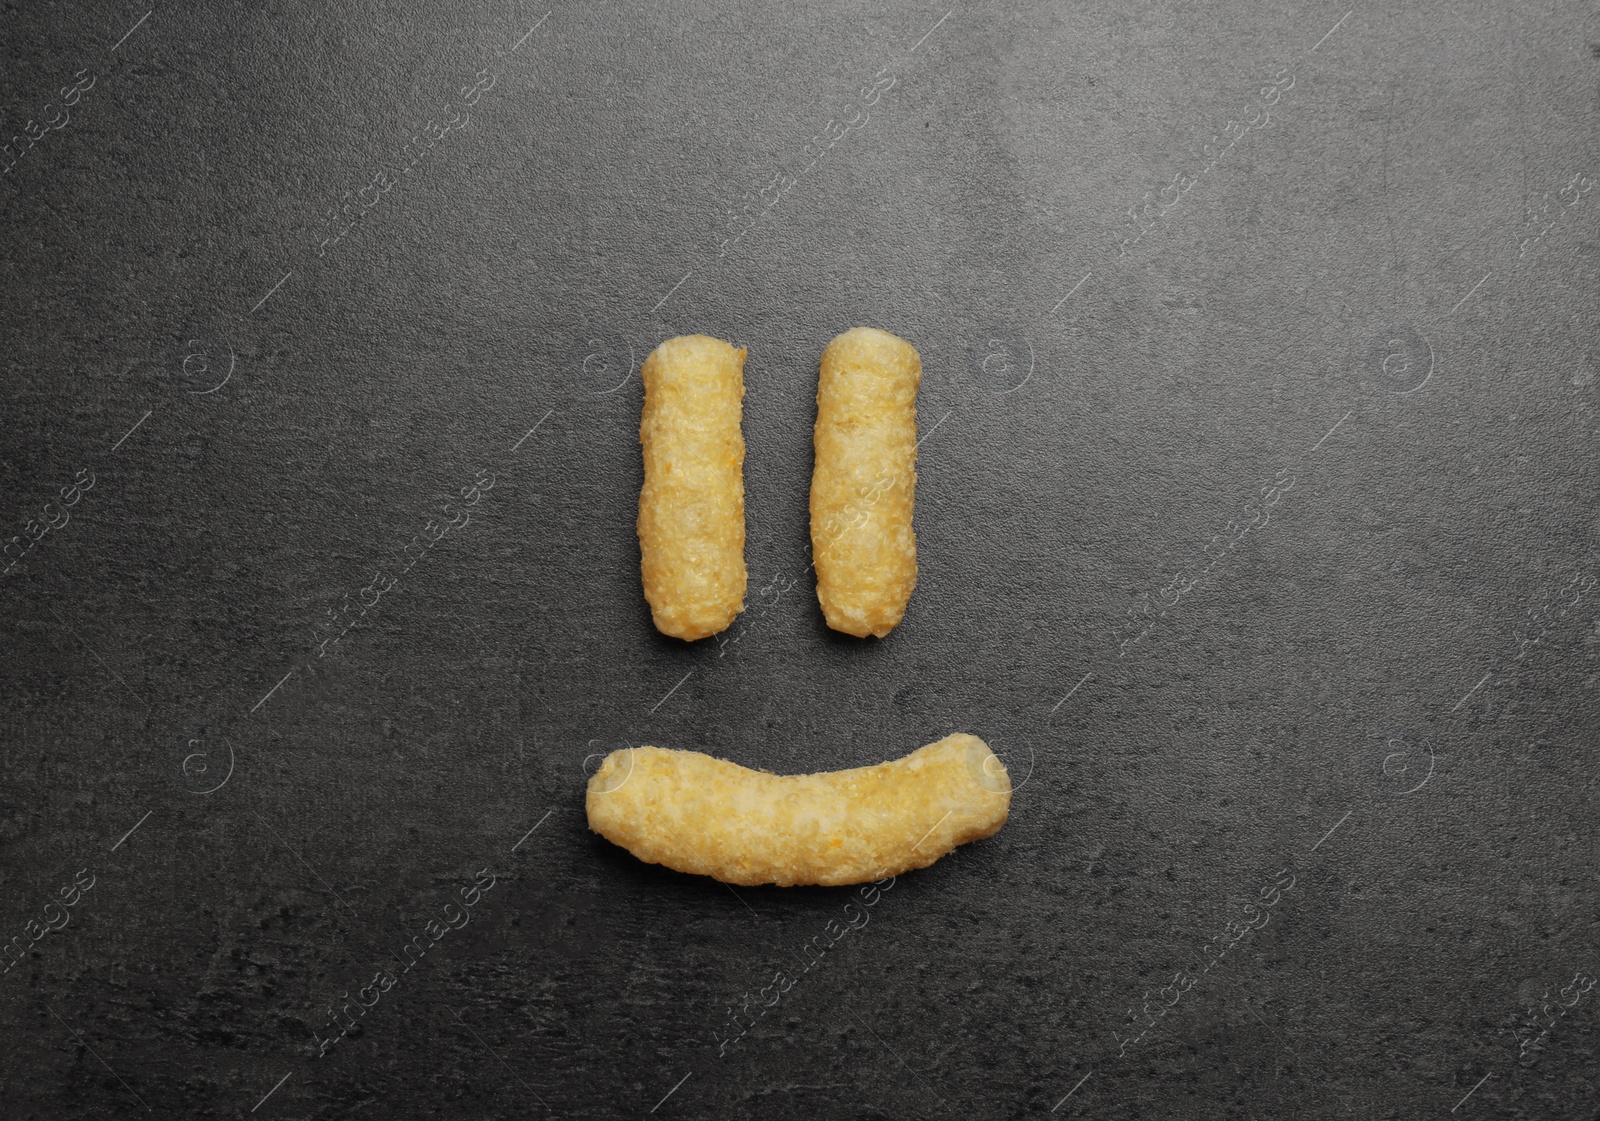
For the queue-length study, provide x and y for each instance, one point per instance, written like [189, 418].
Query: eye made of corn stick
[709, 817]
[691, 507]
[863, 487]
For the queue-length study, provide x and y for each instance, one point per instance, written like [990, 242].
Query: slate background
[1308, 707]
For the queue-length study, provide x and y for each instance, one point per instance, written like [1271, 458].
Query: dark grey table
[1257, 531]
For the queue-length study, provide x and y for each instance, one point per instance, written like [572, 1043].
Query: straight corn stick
[691, 507]
[863, 487]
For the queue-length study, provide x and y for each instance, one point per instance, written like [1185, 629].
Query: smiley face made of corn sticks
[698, 814]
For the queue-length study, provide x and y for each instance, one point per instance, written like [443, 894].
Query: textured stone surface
[1255, 518]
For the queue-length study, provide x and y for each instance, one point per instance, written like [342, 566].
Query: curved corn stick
[865, 480]
[691, 507]
[698, 814]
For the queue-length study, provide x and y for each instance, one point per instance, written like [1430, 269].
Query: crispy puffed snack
[707, 816]
[864, 483]
[691, 507]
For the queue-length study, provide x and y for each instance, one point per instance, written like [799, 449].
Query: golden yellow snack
[864, 483]
[698, 814]
[691, 507]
